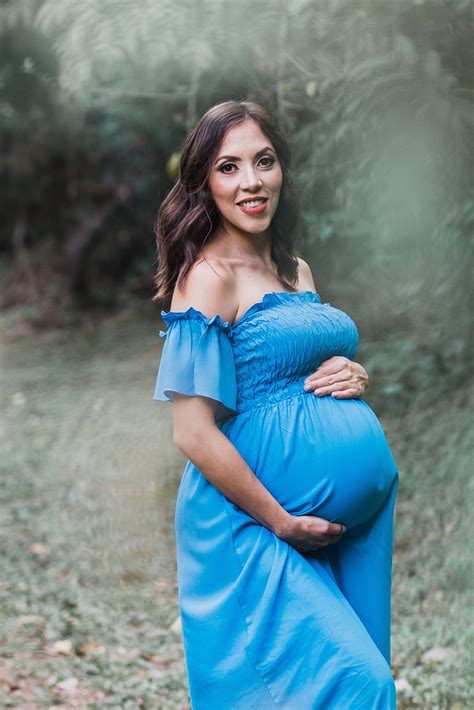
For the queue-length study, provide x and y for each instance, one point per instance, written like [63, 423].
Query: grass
[89, 479]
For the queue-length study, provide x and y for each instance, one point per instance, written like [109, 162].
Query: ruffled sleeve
[197, 359]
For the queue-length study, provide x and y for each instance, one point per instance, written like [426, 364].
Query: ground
[89, 478]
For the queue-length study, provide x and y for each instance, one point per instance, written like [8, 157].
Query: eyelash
[226, 172]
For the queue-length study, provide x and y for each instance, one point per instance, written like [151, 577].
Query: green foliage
[375, 97]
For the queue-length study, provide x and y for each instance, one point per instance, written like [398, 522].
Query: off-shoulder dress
[264, 625]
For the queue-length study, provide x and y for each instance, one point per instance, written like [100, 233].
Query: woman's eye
[226, 165]
[269, 158]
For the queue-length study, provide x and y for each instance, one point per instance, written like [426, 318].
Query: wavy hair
[188, 215]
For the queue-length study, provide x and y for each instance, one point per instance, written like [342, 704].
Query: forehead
[245, 137]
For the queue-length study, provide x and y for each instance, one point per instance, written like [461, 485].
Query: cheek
[221, 189]
[276, 180]
[273, 180]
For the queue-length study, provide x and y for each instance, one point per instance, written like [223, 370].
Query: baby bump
[318, 455]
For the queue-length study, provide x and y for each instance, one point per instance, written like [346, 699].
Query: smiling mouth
[256, 202]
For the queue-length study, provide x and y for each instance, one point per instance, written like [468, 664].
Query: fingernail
[344, 528]
[318, 391]
[307, 386]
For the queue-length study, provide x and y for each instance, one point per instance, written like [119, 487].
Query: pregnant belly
[318, 455]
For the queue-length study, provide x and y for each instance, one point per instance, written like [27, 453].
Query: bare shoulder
[208, 287]
[306, 281]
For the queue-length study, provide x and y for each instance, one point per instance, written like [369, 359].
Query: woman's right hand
[308, 533]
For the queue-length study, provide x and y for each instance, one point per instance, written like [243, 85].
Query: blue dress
[264, 625]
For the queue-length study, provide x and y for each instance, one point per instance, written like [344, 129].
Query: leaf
[63, 647]
[437, 654]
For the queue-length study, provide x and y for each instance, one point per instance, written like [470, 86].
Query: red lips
[254, 210]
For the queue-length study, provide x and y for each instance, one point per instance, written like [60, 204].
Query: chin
[253, 226]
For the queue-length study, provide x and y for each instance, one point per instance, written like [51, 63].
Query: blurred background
[97, 97]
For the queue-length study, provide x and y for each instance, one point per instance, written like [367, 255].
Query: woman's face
[245, 179]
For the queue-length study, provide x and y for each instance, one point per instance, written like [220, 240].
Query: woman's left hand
[340, 377]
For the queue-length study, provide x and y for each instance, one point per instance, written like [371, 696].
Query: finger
[337, 386]
[327, 380]
[333, 541]
[346, 394]
[329, 366]
[326, 528]
[343, 373]
[336, 529]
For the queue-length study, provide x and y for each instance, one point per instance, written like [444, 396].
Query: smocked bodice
[277, 343]
[283, 340]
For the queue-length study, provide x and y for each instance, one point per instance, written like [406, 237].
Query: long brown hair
[188, 214]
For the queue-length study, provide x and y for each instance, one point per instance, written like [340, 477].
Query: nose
[250, 178]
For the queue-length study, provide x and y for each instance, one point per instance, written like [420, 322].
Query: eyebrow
[235, 157]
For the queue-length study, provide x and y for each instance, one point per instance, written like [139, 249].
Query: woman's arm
[196, 434]
[211, 289]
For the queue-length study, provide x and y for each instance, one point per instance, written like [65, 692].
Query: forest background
[97, 96]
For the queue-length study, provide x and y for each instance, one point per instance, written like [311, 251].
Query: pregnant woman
[284, 515]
